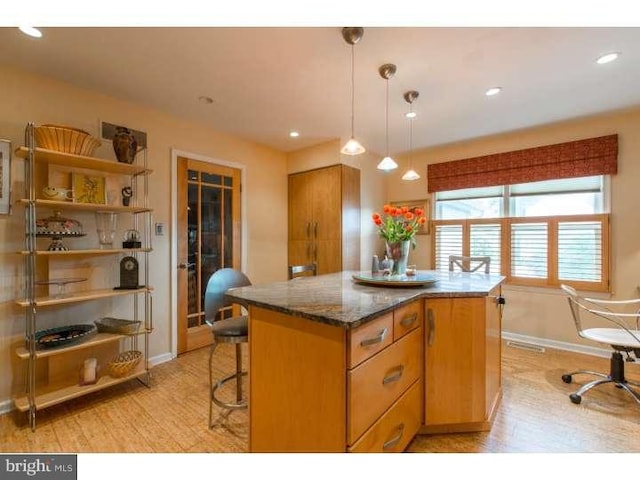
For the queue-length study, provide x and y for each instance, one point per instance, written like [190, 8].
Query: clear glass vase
[398, 252]
[106, 227]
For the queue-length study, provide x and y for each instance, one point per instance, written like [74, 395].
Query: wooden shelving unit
[54, 394]
[81, 162]
[77, 297]
[52, 374]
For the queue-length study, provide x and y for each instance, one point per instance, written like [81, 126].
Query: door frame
[175, 153]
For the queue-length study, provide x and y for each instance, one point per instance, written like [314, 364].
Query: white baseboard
[7, 405]
[569, 347]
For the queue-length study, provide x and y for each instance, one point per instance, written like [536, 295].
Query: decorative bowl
[117, 325]
[62, 336]
[124, 362]
[65, 139]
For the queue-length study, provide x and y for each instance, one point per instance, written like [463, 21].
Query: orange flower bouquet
[398, 224]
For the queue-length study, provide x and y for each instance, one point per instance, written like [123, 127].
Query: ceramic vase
[125, 145]
[399, 253]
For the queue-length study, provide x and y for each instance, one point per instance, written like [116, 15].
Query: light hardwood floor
[535, 414]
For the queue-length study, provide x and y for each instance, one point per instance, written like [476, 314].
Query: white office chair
[621, 337]
[469, 264]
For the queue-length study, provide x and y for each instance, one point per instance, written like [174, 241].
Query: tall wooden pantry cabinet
[324, 218]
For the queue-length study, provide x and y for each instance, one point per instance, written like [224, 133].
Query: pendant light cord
[411, 140]
[352, 91]
[386, 121]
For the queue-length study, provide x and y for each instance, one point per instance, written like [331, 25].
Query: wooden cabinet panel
[494, 351]
[377, 383]
[300, 202]
[369, 339]
[324, 210]
[297, 375]
[455, 360]
[327, 203]
[407, 318]
[395, 429]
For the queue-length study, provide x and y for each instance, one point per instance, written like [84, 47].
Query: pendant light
[410, 174]
[352, 35]
[387, 71]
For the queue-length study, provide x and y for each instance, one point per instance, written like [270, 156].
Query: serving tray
[382, 280]
[62, 336]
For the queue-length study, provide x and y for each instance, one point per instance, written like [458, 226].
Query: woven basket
[117, 325]
[65, 139]
[124, 362]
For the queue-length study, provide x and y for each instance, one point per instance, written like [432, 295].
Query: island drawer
[377, 383]
[370, 338]
[407, 318]
[394, 430]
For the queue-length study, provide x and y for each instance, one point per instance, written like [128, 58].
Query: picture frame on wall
[424, 205]
[88, 188]
[5, 177]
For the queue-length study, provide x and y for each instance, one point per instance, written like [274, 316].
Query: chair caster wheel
[566, 378]
[575, 398]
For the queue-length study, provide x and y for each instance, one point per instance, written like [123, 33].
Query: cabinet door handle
[308, 229]
[395, 376]
[394, 441]
[379, 338]
[432, 326]
[409, 320]
[315, 230]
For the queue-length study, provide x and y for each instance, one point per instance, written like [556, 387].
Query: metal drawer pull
[377, 339]
[394, 441]
[409, 320]
[394, 377]
[432, 326]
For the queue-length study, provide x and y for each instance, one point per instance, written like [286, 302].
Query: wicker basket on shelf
[124, 363]
[65, 139]
[117, 325]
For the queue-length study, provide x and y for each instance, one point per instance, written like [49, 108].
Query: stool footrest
[220, 403]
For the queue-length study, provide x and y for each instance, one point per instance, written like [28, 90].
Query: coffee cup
[57, 193]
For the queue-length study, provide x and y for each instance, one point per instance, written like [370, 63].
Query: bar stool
[229, 330]
[296, 271]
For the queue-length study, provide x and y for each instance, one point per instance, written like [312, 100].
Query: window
[539, 233]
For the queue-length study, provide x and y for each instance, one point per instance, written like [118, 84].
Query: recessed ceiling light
[609, 57]
[493, 91]
[411, 114]
[294, 134]
[31, 31]
[205, 99]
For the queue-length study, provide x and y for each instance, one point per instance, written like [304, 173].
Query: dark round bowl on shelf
[63, 336]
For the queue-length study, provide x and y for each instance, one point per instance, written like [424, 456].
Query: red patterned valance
[582, 158]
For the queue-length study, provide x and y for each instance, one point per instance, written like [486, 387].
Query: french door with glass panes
[208, 240]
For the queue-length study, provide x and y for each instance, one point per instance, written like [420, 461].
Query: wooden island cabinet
[337, 366]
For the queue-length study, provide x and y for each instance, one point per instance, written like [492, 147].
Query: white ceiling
[266, 81]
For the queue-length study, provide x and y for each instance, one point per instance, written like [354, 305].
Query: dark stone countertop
[336, 299]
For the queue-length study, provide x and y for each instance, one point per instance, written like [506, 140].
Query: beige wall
[25, 97]
[544, 313]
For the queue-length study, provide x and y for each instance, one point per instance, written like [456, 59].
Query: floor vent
[526, 346]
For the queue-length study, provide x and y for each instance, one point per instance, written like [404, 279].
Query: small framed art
[88, 189]
[5, 177]
[422, 205]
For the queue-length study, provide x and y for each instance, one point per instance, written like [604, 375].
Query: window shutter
[529, 250]
[485, 241]
[448, 242]
[580, 251]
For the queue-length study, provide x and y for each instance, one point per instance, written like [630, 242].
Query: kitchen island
[337, 366]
